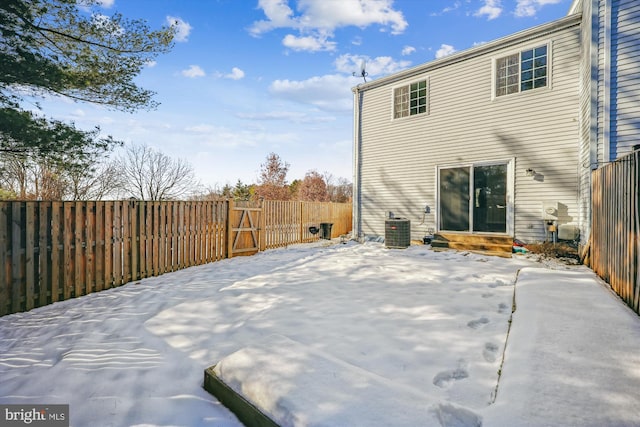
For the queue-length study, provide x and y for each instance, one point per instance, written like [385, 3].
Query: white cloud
[278, 13]
[456, 5]
[201, 129]
[445, 50]
[227, 138]
[321, 17]
[408, 50]
[329, 92]
[193, 71]
[491, 9]
[381, 65]
[308, 43]
[291, 116]
[87, 4]
[106, 3]
[235, 74]
[530, 7]
[104, 22]
[182, 28]
[151, 64]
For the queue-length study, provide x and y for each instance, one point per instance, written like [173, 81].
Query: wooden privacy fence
[288, 222]
[54, 251]
[270, 224]
[615, 229]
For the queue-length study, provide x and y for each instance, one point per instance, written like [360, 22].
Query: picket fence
[52, 250]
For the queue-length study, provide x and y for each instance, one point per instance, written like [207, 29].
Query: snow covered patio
[431, 324]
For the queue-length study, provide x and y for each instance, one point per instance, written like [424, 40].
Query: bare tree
[340, 190]
[31, 179]
[151, 175]
[313, 188]
[105, 180]
[272, 184]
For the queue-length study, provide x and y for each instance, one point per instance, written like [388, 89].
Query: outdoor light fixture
[530, 172]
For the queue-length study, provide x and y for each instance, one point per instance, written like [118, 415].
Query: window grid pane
[534, 68]
[410, 99]
[507, 75]
[521, 71]
[418, 97]
[401, 102]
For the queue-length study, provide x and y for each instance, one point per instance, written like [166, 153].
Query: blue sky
[248, 77]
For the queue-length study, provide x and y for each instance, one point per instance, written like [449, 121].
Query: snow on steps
[281, 382]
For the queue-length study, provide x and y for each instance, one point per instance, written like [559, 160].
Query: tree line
[70, 48]
[144, 173]
[272, 184]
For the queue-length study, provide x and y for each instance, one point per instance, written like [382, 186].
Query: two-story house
[500, 139]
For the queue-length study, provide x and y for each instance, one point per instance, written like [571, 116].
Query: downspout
[594, 149]
[357, 106]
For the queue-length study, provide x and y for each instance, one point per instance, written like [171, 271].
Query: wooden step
[500, 239]
[483, 243]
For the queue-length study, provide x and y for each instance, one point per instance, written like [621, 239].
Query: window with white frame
[410, 99]
[522, 71]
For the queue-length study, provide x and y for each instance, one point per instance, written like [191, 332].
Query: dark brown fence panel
[53, 251]
[44, 253]
[615, 231]
[57, 254]
[5, 292]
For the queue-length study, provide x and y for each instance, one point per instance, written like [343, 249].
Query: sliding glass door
[454, 199]
[473, 198]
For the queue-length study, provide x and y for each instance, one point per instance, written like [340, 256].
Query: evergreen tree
[55, 47]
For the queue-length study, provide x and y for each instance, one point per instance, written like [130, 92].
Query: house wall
[610, 89]
[538, 129]
[589, 90]
[602, 39]
[624, 82]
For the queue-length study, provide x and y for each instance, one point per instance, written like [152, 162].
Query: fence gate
[244, 228]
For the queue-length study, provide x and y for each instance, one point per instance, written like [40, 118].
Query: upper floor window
[521, 71]
[410, 99]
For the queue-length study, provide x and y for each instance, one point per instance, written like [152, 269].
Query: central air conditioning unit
[397, 233]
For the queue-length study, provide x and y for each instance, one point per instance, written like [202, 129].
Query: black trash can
[325, 230]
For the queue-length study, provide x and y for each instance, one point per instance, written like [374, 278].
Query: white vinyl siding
[624, 82]
[609, 110]
[399, 159]
[588, 114]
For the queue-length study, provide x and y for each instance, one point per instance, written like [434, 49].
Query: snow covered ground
[433, 324]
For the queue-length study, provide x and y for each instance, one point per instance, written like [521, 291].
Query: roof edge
[576, 7]
[550, 27]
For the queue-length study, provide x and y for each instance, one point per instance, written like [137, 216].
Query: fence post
[262, 228]
[301, 220]
[230, 229]
[5, 295]
[16, 260]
